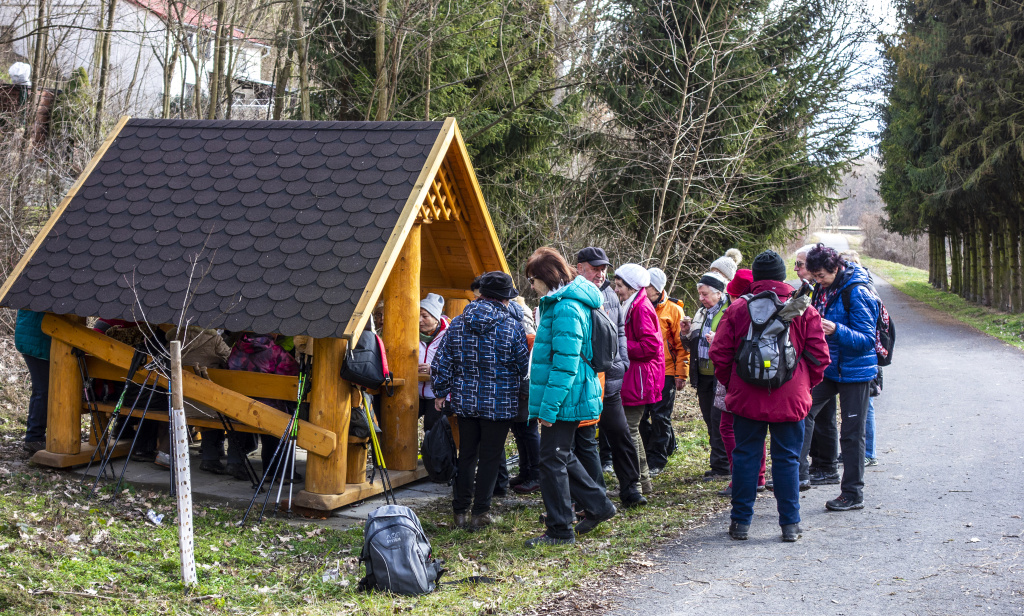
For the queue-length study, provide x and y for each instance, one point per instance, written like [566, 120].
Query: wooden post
[330, 405]
[356, 471]
[182, 474]
[64, 410]
[401, 338]
[454, 307]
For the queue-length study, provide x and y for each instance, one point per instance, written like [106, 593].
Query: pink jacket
[645, 376]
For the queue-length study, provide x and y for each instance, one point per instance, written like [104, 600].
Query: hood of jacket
[780, 289]
[580, 289]
[484, 315]
[852, 345]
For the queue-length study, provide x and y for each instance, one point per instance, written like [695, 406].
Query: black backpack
[439, 453]
[397, 553]
[604, 340]
[766, 357]
[885, 328]
[366, 365]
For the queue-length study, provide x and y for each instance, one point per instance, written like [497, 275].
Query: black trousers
[824, 444]
[718, 460]
[585, 447]
[528, 444]
[563, 479]
[615, 431]
[853, 406]
[656, 427]
[481, 453]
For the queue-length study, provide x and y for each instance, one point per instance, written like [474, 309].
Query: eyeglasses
[800, 263]
[530, 279]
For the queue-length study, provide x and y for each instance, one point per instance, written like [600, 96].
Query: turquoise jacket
[29, 338]
[563, 387]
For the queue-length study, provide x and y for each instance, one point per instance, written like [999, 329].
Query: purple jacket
[645, 376]
[254, 353]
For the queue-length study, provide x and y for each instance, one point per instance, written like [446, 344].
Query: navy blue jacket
[482, 362]
[852, 346]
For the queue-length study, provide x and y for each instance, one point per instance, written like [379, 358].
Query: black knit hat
[769, 266]
[712, 280]
[497, 285]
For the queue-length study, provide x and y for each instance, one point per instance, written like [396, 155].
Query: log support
[329, 407]
[64, 406]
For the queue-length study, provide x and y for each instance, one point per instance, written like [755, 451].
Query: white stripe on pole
[181, 468]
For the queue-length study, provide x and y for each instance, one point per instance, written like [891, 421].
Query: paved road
[942, 530]
[838, 241]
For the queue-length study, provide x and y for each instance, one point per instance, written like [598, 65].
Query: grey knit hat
[433, 304]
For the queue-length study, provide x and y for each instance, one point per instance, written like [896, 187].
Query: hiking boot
[518, 479]
[589, 523]
[646, 487]
[825, 478]
[805, 485]
[843, 503]
[738, 531]
[237, 471]
[499, 492]
[713, 474]
[761, 487]
[163, 460]
[548, 540]
[632, 499]
[481, 521]
[143, 456]
[791, 532]
[460, 520]
[726, 491]
[212, 466]
[31, 447]
[527, 487]
[870, 461]
[770, 485]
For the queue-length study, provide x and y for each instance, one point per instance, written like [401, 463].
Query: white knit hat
[658, 278]
[634, 275]
[433, 304]
[728, 264]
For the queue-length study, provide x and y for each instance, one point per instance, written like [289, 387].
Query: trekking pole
[131, 448]
[305, 365]
[246, 462]
[133, 367]
[108, 447]
[289, 451]
[90, 400]
[385, 477]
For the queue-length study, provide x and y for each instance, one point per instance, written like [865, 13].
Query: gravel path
[942, 532]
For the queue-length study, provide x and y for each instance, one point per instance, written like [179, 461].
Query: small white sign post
[182, 474]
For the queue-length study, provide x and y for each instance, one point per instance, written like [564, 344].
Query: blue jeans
[787, 439]
[869, 431]
[39, 371]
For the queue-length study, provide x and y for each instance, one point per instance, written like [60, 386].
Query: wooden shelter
[295, 228]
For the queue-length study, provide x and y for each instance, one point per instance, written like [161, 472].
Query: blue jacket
[563, 387]
[852, 346]
[482, 362]
[29, 338]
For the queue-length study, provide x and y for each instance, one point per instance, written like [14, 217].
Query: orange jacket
[677, 356]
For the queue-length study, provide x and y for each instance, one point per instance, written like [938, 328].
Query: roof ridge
[287, 124]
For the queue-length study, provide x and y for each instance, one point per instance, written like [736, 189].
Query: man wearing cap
[592, 263]
[656, 425]
[433, 325]
[481, 365]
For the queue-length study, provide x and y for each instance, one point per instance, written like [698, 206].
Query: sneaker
[654, 472]
[527, 487]
[547, 540]
[770, 485]
[726, 491]
[589, 523]
[825, 479]
[870, 461]
[843, 503]
[805, 485]
[761, 487]
[608, 468]
[791, 532]
[210, 466]
[738, 531]
[163, 460]
[518, 479]
[713, 474]
[34, 446]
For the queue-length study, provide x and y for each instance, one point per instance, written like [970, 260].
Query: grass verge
[62, 552]
[914, 282]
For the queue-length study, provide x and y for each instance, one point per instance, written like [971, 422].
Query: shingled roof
[287, 222]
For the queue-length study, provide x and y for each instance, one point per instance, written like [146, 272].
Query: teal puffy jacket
[29, 338]
[563, 387]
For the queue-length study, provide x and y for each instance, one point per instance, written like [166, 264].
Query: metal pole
[179, 438]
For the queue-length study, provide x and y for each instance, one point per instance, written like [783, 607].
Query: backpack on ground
[397, 553]
[885, 328]
[366, 365]
[766, 357]
[604, 340]
[438, 452]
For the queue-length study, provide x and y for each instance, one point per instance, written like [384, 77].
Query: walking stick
[289, 451]
[133, 367]
[90, 400]
[378, 455]
[108, 452]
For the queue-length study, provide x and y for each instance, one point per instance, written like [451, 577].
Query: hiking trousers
[563, 479]
[481, 453]
[853, 408]
[787, 439]
[656, 426]
[622, 451]
[717, 460]
[584, 445]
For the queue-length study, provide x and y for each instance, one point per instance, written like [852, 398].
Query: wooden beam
[470, 183]
[330, 406]
[429, 239]
[402, 339]
[63, 417]
[405, 223]
[251, 384]
[230, 403]
[356, 492]
[65, 460]
[454, 307]
[449, 293]
[57, 213]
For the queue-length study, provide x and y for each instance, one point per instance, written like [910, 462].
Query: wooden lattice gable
[291, 225]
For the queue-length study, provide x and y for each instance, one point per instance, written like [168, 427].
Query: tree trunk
[101, 90]
[284, 72]
[999, 294]
[986, 261]
[932, 276]
[971, 262]
[941, 279]
[218, 62]
[955, 261]
[1013, 230]
[302, 48]
[382, 74]
[170, 60]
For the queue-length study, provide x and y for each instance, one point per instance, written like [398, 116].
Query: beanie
[658, 278]
[728, 264]
[740, 284]
[769, 266]
[712, 280]
[634, 275]
[433, 303]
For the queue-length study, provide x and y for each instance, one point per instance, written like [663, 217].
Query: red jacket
[792, 401]
[645, 376]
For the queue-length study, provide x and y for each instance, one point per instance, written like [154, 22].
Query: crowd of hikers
[586, 382]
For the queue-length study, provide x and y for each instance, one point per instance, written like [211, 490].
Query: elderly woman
[700, 332]
[849, 312]
[564, 390]
[433, 326]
